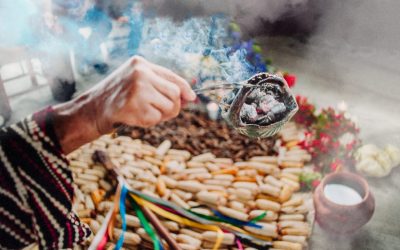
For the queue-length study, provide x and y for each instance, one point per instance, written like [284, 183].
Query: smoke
[185, 29]
[15, 17]
[174, 33]
[196, 47]
[251, 15]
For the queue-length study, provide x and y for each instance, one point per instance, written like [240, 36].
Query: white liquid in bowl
[342, 195]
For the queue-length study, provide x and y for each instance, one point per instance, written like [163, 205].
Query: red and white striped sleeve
[36, 188]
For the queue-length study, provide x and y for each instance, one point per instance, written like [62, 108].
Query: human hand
[138, 93]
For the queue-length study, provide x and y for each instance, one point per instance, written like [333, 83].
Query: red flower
[350, 146]
[334, 165]
[335, 145]
[303, 144]
[290, 79]
[315, 183]
[322, 137]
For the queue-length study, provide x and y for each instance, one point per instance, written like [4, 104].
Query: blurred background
[343, 53]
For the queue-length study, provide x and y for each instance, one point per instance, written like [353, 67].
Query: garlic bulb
[368, 150]
[369, 166]
[373, 161]
[394, 154]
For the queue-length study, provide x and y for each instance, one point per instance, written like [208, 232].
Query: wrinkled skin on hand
[139, 93]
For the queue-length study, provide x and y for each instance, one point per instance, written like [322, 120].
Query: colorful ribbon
[174, 207]
[254, 243]
[236, 222]
[239, 231]
[122, 212]
[199, 219]
[146, 225]
[260, 217]
[181, 220]
[111, 223]
[239, 244]
[174, 213]
[222, 218]
[101, 238]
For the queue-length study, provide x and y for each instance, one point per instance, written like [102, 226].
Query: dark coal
[249, 113]
[279, 108]
[269, 95]
[254, 96]
[263, 106]
[266, 119]
[266, 103]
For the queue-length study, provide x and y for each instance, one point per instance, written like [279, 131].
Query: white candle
[213, 109]
[342, 195]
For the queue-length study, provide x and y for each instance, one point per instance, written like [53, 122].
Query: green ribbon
[199, 218]
[260, 217]
[146, 225]
[172, 206]
[225, 219]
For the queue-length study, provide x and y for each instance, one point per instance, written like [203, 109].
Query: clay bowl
[343, 219]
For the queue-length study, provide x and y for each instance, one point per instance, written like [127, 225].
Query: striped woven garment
[36, 188]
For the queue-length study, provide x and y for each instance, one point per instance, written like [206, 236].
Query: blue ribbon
[122, 212]
[236, 222]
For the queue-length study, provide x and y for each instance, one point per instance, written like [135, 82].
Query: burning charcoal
[266, 103]
[278, 108]
[267, 99]
[248, 113]
[275, 90]
[254, 96]
[265, 107]
[274, 106]
[266, 119]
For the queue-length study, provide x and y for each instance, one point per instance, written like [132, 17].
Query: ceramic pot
[343, 219]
